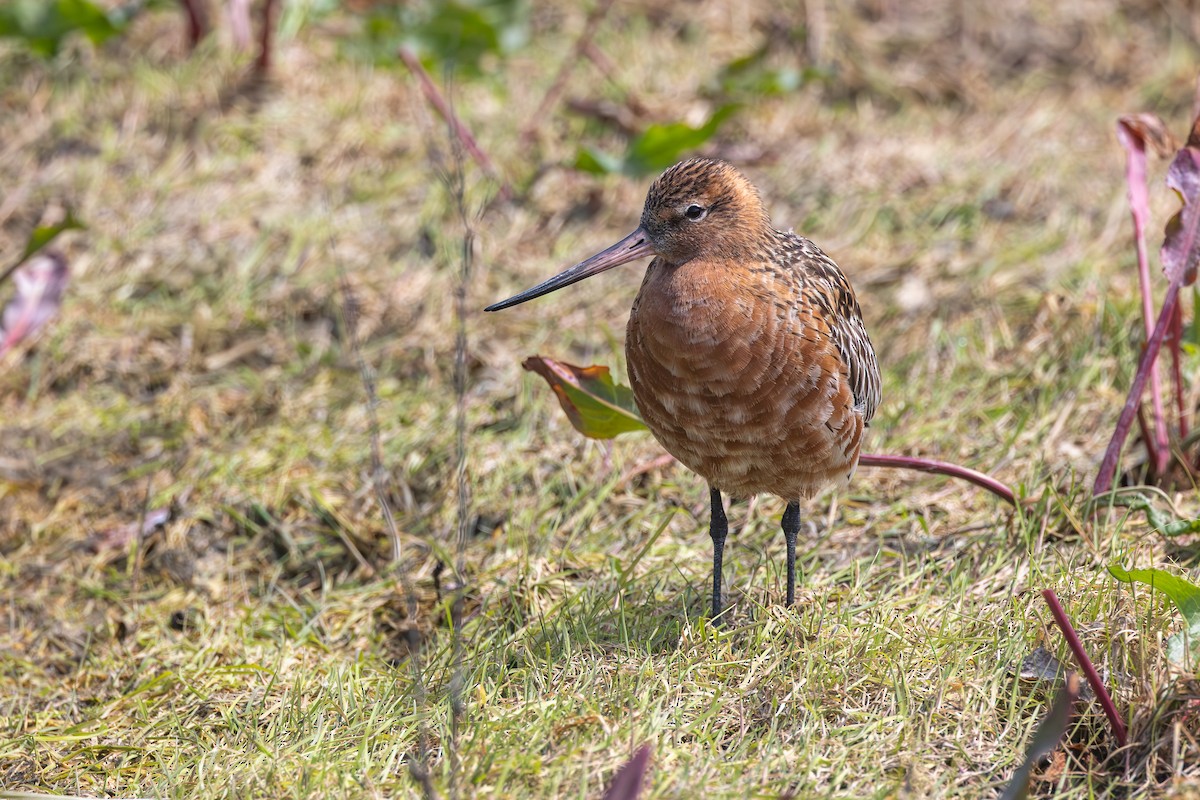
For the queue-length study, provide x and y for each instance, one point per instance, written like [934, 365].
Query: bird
[747, 352]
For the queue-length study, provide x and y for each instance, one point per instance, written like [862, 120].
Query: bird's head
[699, 208]
[703, 208]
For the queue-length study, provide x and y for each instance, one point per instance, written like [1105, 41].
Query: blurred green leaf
[1186, 597]
[45, 234]
[655, 149]
[596, 406]
[456, 34]
[43, 25]
[1049, 733]
[749, 76]
[297, 14]
[596, 162]
[1191, 336]
[39, 238]
[660, 146]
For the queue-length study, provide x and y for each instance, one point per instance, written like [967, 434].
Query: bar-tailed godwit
[747, 352]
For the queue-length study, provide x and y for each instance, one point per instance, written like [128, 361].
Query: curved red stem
[941, 468]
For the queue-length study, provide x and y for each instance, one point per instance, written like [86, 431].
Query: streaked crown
[704, 208]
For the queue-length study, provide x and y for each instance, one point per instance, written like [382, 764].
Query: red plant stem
[559, 85]
[940, 468]
[263, 65]
[877, 460]
[196, 26]
[1085, 664]
[1144, 429]
[435, 99]
[1108, 464]
[1139, 206]
[627, 783]
[1175, 343]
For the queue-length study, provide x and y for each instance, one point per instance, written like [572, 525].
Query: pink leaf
[40, 286]
[1136, 131]
[1179, 254]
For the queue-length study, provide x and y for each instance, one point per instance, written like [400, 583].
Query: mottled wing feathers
[855, 346]
[824, 286]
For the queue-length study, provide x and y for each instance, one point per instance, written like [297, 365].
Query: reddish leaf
[40, 285]
[263, 64]
[1174, 343]
[596, 406]
[197, 23]
[1151, 130]
[627, 785]
[1181, 248]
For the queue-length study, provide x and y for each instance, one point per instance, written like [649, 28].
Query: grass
[968, 180]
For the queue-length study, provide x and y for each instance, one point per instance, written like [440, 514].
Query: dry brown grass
[960, 163]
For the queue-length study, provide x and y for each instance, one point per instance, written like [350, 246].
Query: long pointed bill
[634, 246]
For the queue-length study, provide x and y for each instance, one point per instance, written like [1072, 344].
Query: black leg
[791, 527]
[718, 529]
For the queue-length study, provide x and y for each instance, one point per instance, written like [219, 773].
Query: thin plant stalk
[418, 765]
[455, 183]
[196, 25]
[263, 64]
[461, 133]
[452, 176]
[1108, 464]
[1086, 665]
[1175, 344]
[1159, 446]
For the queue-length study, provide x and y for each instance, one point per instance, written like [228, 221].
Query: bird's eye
[695, 212]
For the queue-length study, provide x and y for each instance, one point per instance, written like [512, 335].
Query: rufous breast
[738, 375]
